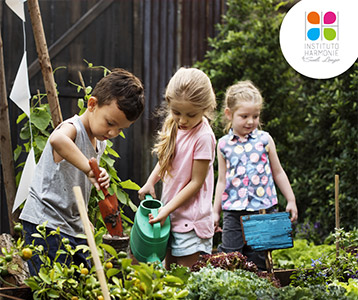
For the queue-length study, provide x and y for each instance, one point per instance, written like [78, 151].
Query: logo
[324, 28]
[317, 37]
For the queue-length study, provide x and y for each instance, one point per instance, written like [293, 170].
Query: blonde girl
[186, 151]
[248, 170]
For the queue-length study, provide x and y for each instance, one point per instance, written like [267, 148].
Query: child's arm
[220, 188]
[62, 142]
[282, 181]
[198, 175]
[148, 188]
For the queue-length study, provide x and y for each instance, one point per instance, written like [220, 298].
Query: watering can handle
[156, 226]
[148, 197]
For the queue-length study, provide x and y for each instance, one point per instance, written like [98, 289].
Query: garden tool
[149, 242]
[108, 206]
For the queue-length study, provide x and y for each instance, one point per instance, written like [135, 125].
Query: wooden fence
[151, 38]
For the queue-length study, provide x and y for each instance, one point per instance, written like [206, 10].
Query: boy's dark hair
[125, 88]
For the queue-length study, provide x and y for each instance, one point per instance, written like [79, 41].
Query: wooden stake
[44, 60]
[7, 159]
[268, 254]
[336, 198]
[91, 242]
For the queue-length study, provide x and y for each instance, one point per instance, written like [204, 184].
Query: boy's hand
[103, 180]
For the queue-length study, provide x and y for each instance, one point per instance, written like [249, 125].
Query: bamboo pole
[336, 198]
[7, 159]
[44, 60]
[91, 242]
[268, 253]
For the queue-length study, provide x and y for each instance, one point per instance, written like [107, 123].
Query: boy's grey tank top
[51, 197]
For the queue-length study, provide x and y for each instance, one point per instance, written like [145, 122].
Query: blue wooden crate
[267, 231]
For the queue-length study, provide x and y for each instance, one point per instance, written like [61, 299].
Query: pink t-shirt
[195, 144]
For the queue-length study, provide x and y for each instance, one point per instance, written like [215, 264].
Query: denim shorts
[187, 243]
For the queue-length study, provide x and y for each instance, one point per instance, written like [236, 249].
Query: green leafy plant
[36, 136]
[332, 266]
[217, 283]
[125, 280]
[301, 255]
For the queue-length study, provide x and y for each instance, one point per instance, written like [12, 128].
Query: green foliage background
[313, 122]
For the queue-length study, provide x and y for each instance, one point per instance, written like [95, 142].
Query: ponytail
[165, 146]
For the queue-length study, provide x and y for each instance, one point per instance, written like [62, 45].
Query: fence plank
[151, 38]
[71, 33]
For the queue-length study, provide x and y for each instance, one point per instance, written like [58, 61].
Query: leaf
[126, 262]
[130, 185]
[80, 103]
[109, 249]
[41, 119]
[172, 279]
[40, 142]
[132, 206]
[36, 235]
[88, 90]
[21, 117]
[122, 197]
[116, 281]
[109, 161]
[17, 152]
[112, 152]
[112, 272]
[44, 276]
[81, 236]
[53, 293]
[32, 283]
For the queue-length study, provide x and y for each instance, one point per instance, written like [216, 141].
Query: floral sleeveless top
[249, 182]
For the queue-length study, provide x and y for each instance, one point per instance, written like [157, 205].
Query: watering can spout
[153, 258]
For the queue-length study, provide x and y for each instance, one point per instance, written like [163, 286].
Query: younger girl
[186, 150]
[248, 168]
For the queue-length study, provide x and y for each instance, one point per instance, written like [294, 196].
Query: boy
[116, 102]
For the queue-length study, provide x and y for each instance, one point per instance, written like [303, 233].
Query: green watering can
[149, 242]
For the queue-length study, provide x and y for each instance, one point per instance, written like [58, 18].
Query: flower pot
[119, 243]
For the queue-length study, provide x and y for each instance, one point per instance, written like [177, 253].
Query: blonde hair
[243, 91]
[187, 84]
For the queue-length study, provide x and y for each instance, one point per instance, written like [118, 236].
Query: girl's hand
[217, 227]
[292, 209]
[161, 217]
[145, 190]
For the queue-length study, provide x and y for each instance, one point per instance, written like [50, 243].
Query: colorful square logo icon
[322, 26]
